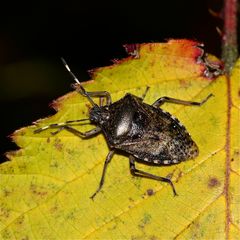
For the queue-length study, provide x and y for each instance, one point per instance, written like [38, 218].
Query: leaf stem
[229, 39]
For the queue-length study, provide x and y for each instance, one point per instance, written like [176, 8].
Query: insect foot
[145, 132]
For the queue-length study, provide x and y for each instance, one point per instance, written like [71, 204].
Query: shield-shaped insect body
[145, 132]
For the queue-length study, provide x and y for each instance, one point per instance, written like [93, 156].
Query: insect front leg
[107, 161]
[141, 173]
[100, 94]
[162, 100]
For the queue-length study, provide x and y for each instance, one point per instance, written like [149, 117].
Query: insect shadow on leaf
[144, 132]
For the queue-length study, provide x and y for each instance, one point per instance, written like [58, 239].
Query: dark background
[88, 34]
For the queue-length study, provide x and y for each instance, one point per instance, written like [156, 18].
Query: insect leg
[107, 161]
[58, 125]
[141, 173]
[95, 94]
[102, 94]
[70, 129]
[145, 93]
[86, 134]
[162, 100]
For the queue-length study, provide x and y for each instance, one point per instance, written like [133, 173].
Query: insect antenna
[83, 91]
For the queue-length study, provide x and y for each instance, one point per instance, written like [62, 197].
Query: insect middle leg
[141, 173]
[107, 161]
[86, 134]
[162, 100]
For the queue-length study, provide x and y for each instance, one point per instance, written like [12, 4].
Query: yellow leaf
[46, 185]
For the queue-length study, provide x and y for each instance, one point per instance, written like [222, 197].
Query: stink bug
[145, 132]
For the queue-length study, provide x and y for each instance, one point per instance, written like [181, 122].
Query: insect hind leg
[141, 173]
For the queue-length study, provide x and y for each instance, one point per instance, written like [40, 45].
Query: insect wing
[156, 136]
